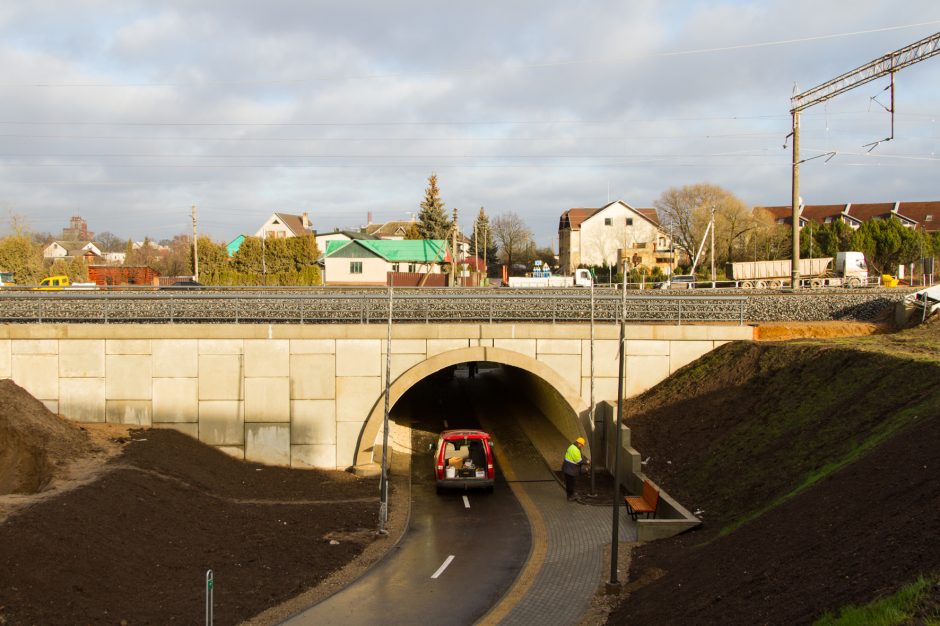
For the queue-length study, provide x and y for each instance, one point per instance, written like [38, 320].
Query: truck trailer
[850, 270]
[544, 279]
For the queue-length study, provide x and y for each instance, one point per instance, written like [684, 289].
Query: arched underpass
[559, 403]
[463, 552]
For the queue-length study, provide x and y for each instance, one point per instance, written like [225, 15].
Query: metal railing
[318, 308]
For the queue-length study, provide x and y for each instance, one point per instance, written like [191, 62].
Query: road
[461, 552]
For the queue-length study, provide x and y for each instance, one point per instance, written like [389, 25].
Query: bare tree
[512, 236]
[685, 212]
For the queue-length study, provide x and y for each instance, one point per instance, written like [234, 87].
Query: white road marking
[466, 502]
[441, 569]
[445, 424]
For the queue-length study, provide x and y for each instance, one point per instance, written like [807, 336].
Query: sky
[130, 113]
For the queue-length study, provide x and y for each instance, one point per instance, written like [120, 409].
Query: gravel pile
[444, 305]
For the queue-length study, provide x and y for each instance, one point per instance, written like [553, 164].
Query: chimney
[305, 221]
[368, 218]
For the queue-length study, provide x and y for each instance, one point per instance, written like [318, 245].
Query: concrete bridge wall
[304, 395]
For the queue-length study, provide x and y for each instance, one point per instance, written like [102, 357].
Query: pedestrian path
[569, 539]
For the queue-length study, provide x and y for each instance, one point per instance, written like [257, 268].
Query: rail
[317, 308]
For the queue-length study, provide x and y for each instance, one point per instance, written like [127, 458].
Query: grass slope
[815, 463]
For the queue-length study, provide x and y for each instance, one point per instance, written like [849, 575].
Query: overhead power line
[488, 70]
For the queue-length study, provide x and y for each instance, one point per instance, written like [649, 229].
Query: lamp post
[383, 486]
[614, 584]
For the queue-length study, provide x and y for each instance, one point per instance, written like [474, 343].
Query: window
[411, 267]
[629, 221]
[928, 218]
[355, 267]
[608, 221]
[395, 267]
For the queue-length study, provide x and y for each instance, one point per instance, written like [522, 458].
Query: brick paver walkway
[569, 539]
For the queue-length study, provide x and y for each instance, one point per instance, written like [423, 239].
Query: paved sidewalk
[569, 539]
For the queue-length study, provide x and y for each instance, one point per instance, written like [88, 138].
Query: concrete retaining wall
[671, 517]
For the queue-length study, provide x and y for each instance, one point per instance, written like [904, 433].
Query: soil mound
[35, 443]
[134, 544]
[813, 466]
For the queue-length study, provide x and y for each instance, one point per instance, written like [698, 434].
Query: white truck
[581, 278]
[850, 271]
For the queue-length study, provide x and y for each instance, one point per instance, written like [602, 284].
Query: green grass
[907, 603]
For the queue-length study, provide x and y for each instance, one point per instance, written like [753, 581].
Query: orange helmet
[580, 440]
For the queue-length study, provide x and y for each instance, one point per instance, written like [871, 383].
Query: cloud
[344, 108]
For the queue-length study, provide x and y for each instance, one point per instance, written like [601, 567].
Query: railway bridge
[306, 395]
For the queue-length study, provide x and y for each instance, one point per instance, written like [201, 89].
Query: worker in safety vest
[571, 467]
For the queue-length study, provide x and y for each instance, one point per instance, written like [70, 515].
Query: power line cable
[488, 71]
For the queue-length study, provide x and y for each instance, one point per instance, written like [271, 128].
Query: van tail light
[440, 471]
[489, 471]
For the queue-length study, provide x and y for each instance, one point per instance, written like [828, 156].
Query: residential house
[340, 235]
[67, 250]
[233, 246]
[925, 215]
[369, 261]
[389, 230]
[591, 237]
[281, 225]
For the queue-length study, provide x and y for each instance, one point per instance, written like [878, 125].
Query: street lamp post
[614, 584]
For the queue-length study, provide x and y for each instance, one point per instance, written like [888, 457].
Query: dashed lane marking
[466, 502]
[443, 566]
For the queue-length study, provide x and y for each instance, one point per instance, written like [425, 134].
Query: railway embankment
[813, 465]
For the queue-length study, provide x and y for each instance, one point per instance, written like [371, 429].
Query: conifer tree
[432, 220]
[481, 239]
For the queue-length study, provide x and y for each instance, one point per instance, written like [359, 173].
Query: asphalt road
[459, 555]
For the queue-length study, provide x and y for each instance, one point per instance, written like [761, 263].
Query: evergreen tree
[432, 220]
[887, 244]
[483, 244]
[413, 232]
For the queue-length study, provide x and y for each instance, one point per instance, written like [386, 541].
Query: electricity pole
[453, 264]
[195, 248]
[885, 65]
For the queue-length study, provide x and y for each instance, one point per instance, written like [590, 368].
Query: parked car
[681, 281]
[463, 459]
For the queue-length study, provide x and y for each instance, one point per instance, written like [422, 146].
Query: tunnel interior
[524, 414]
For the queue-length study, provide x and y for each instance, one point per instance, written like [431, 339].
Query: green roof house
[368, 262]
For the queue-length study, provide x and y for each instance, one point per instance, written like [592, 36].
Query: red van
[463, 459]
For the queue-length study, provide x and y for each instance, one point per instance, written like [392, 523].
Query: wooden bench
[645, 503]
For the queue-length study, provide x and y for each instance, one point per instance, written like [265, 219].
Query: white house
[616, 230]
[282, 225]
[368, 262]
[69, 249]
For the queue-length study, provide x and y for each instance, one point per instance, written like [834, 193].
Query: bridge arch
[365, 446]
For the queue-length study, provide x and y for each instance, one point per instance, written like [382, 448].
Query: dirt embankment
[133, 540]
[814, 465]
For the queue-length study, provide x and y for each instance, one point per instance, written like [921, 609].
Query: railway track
[370, 305]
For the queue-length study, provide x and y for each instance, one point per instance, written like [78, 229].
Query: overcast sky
[129, 112]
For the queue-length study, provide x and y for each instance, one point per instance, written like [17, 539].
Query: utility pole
[885, 65]
[453, 264]
[713, 246]
[195, 248]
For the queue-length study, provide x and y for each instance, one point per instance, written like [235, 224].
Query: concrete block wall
[301, 395]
